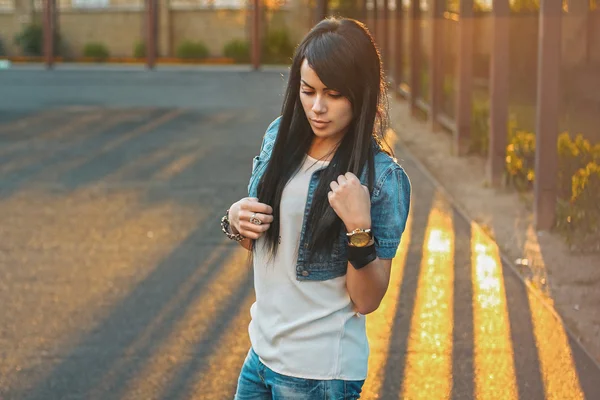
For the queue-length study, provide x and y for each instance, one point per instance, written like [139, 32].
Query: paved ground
[116, 282]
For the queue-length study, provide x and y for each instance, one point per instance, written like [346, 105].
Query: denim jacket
[390, 202]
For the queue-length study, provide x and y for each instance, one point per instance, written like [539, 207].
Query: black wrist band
[361, 256]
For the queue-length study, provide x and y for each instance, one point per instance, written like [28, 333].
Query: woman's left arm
[368, 285]
[386, 217]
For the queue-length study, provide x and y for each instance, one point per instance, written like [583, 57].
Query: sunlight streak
[380, 324]
[494, 355]
[428, 368]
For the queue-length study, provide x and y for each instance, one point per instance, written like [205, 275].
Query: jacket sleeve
[390, 206]
[269, 139]
[266, 147]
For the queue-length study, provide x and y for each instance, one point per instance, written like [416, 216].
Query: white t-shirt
[305, 329]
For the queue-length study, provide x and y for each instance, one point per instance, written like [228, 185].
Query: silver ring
[255, 220]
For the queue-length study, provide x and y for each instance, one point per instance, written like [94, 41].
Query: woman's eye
[335, 95]
[307, 93]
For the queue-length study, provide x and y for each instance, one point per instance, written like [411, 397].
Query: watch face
[360, 239]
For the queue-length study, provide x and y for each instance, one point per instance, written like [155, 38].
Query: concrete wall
[119, 31]
[214, 28]
[9, 25]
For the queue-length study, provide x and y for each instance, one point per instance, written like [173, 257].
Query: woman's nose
[319, 106]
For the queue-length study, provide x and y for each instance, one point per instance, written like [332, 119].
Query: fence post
[435, 66]
[399, 35]
[321, 11]
[256, 34]
[150, 33]
[364, 13]
[548, 104]
[376, 20]
[464, 87]
[415, 54]
[385, 35]
[498, 92]
[49, 27]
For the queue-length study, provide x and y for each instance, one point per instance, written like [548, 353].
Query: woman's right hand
[240, 213]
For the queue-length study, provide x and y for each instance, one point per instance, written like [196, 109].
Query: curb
[463, 213]
[122, 60]
[6, 64]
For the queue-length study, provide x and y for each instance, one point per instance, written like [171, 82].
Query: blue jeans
[259, 382]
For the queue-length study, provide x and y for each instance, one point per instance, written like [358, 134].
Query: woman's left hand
[351, 201]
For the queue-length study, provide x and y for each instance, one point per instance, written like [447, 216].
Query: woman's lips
[319, 124]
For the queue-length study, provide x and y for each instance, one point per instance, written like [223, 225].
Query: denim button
[305, 273]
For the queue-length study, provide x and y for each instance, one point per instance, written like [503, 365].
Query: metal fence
[140, 4]
[93, 4]
[458, 60]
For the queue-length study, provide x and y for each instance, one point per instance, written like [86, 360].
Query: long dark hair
[344, 56]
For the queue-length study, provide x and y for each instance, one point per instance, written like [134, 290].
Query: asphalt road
[116, 282]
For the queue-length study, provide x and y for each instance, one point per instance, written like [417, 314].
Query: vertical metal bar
[150, 33]
[48, 28]
[256, 34]
[398, 51]
[589, 37]
[548, 103]
[498, 92]
[376, 20]
[385, 34]
[415, 54]
[435, 66]
[321, 10]
[464, 87]
[364, 12]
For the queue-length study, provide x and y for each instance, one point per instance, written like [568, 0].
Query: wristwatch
[360, 237]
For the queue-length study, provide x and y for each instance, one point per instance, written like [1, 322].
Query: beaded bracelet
[225, 227]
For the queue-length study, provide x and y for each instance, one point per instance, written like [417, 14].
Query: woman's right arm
[239, 219]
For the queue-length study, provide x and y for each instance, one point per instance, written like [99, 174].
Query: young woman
[326, 209]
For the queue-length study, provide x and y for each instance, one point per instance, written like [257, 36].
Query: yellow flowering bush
[520, 159]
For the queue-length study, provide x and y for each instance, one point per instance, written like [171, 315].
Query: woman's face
[328, 112]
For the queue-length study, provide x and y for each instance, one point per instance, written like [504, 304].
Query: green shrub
[192, 50]
[96, 50]
[278, 47]
[238, 49]
[424, 75]
[448, 97]
[139, 50]
[479, 140]
[31, 40]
